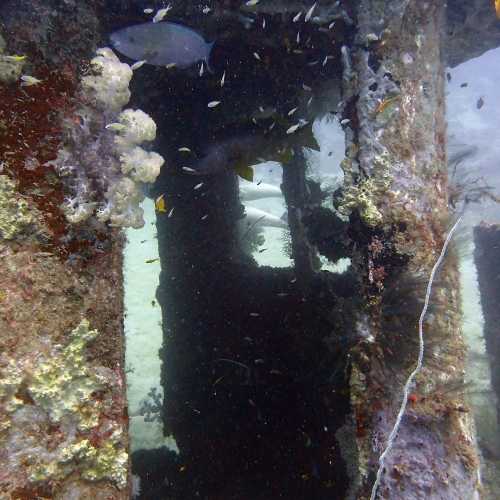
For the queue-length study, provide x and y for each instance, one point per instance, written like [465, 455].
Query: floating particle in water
[148, 11]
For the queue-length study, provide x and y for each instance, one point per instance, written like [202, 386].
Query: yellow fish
[389, 101]
[160, 204]
[15, 58]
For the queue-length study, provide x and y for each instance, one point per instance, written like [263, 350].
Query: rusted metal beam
[396, 195]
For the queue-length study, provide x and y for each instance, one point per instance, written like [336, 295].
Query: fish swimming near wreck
[242, 150]
[162, 44]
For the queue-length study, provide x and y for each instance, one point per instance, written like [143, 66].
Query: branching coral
[102, 160]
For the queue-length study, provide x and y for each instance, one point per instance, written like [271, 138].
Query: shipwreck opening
[256, 296]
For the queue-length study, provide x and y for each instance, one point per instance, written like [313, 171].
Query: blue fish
[162, 44]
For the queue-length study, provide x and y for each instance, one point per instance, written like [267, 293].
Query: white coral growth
[111, 161]
[109, 82]
[138, 127]
[140, 165]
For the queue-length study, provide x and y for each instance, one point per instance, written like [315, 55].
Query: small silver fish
[213, 104]
[115, 127]
[201, 69]
[292, 111]
[256, 55]
[251, 3]
[297, 17]
[184, 150]
[198, 186]
[28, 81]
[161, 14]
[137, 65]
[310, 12]
[293, 129]
[189, 170]
[223, 79]
[148, 11]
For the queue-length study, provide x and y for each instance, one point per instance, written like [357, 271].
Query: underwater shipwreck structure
[276, 382]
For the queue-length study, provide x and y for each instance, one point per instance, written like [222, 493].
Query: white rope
[418, 367]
